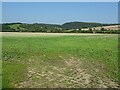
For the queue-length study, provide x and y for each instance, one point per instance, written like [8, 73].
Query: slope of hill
[66, 27]
[76, 25]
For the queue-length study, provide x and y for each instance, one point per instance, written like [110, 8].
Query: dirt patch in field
[72, 75]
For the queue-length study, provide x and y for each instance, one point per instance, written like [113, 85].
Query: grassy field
[75, 61]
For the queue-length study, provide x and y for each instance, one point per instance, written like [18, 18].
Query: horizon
[60, 13]
[55, 23]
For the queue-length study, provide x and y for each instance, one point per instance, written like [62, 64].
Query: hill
[69, 27]
[76, 25]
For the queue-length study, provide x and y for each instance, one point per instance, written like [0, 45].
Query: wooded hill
[66, 27]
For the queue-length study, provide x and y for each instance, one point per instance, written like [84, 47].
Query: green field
[60, 61]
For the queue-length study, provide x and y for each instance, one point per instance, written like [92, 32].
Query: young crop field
[60, 61]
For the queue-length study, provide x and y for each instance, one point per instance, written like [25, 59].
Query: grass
[54, 61]
[16, 26]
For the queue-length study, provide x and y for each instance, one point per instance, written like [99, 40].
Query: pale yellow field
[50, 34]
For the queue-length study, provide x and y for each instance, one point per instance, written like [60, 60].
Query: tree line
[53, 28]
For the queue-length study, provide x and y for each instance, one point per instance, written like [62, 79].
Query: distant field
[60, 60]
[51, 34]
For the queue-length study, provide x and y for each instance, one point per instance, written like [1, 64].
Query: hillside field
[53, 61]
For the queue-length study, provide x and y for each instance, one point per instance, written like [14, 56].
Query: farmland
[69, 27]
[49, 60]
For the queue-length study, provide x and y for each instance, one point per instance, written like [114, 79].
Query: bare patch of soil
[72, 75]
